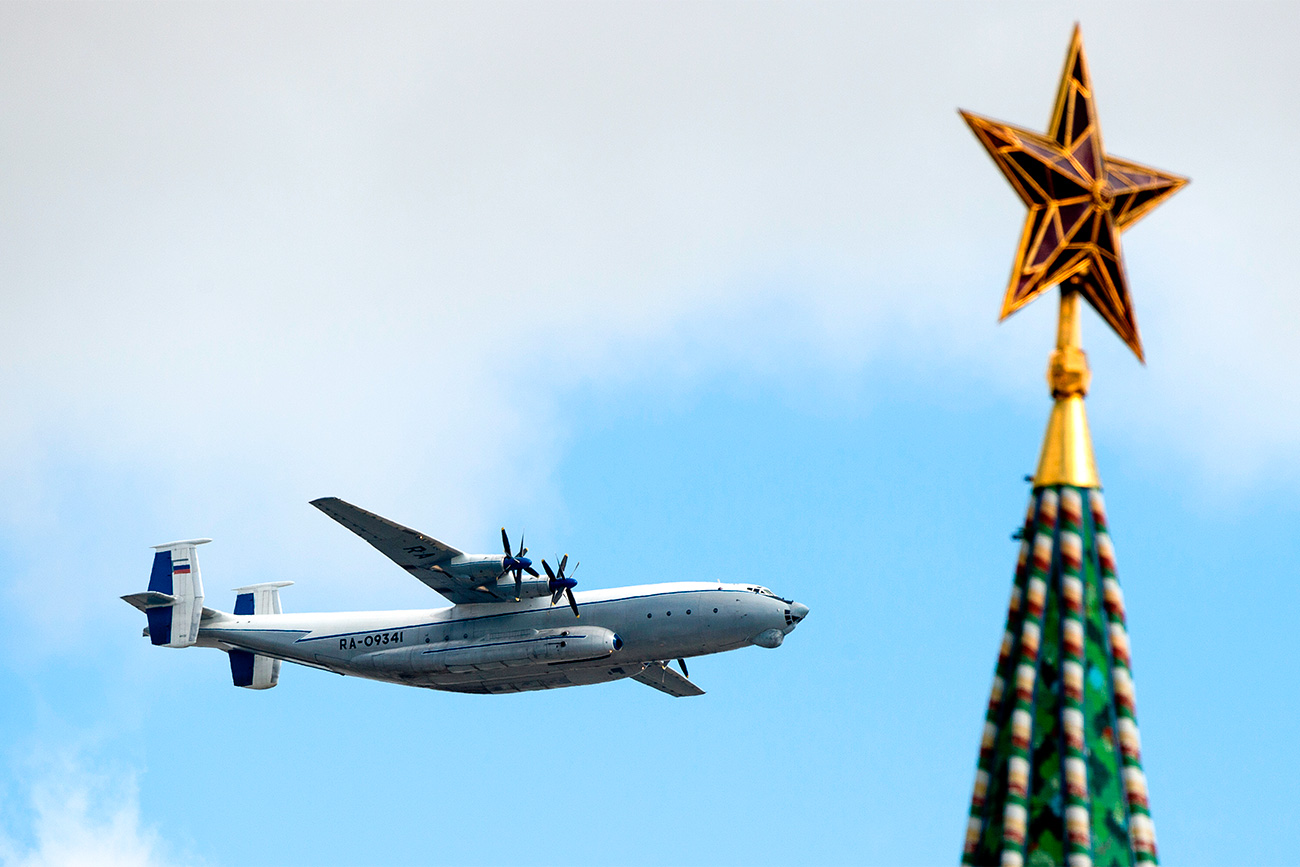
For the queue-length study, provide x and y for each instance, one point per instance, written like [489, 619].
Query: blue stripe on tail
[244, 604]
[160, 624]
[241, 667]
[160, 579]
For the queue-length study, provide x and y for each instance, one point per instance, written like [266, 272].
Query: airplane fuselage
[516, 646]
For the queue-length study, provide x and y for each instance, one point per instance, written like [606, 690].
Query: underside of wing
[421, 555]
[665, 679]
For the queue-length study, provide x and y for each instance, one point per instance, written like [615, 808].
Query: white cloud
[81, 819]
[266, 255]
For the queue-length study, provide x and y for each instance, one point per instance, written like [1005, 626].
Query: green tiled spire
[1060, 776]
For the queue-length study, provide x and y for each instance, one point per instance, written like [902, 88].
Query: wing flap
[665, 679]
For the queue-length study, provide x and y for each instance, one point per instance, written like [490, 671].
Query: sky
[688, 291]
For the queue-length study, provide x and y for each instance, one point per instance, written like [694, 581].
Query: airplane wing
[421, 555]
[665, 679]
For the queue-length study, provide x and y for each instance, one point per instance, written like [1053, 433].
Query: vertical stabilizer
[253, 670]
[259, 598]
[176, 573]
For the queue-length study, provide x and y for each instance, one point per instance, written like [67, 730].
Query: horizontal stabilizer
[665, 679]
[150, 599]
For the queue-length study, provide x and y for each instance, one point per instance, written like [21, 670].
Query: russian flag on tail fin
[175, 574]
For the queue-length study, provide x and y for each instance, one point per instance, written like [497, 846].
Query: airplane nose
[798, 611]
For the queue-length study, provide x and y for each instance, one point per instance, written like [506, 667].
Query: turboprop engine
[493, 652]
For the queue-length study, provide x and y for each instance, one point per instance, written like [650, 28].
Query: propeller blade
[573, 603]
[682, 663]
[549, 573]
[522, 549]
[531, 571]
[505, 541]
[519, 585]
[564, 562]
[555, 597]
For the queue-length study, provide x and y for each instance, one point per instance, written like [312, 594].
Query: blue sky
[685, 291]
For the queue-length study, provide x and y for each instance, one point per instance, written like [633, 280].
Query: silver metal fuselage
[515, 646]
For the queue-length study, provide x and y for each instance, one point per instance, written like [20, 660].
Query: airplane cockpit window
[763, 591]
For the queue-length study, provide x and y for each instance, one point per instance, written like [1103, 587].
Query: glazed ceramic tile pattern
[1060, 779]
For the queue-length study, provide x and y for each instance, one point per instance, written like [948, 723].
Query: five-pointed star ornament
[1079, 201]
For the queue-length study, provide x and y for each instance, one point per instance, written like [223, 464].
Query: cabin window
[688, 611]
[715, 611]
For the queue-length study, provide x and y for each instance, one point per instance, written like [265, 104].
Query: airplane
[503, 632]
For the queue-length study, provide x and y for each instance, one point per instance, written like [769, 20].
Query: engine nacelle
[492, 652]
[486, 572]
[531, 588]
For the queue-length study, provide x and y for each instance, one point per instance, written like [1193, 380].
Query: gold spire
[1067, 457]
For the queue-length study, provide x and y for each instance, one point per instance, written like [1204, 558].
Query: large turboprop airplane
[504, 631]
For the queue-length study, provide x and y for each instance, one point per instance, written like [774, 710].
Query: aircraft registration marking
[372, 640]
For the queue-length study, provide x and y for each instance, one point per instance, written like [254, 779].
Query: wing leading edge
[421, 555]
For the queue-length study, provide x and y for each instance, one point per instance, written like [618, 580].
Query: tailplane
[174, 601]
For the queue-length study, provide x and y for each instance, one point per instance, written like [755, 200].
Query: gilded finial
[1067, 458]
[1079, 200]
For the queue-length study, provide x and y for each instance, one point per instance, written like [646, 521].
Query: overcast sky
[474, 264]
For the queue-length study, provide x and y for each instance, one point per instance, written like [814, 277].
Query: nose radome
[798, 611]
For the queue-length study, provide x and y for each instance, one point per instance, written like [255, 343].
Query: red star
[1079, 201]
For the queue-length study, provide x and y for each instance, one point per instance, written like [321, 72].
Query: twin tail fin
[174, 606]
[248, 669]
[174, 601]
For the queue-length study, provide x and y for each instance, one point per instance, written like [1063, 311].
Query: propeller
[561, 586]
[682, 663]
[517, 563]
